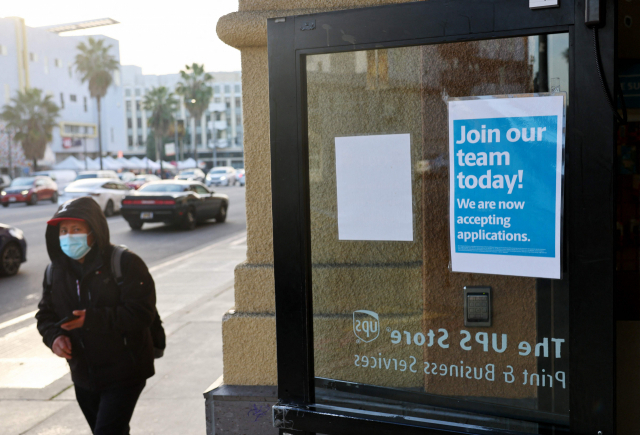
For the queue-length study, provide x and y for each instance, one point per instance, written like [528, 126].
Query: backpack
[157, 331]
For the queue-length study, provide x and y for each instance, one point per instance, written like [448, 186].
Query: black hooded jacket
[114, 347]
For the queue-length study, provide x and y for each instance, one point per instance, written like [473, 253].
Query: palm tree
[32, 117]
[162, 104]
[197, 94]
[96, 65]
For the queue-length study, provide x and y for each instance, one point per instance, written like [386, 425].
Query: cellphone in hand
[69, 318]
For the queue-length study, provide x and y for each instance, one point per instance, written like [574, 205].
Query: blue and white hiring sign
[506, 184]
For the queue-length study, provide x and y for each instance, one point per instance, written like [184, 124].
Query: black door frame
[588, 206]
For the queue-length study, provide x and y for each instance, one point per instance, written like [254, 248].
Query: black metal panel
[589, 206]
[454, 403]
[420, 20]
[351, 422]
[590, 216]
[290, 231]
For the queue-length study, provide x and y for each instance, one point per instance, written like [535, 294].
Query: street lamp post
[10, 154]
[194, 134]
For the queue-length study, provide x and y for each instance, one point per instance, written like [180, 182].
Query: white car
[107, 192]
[97, 174]
[62, 177]
[221, 176]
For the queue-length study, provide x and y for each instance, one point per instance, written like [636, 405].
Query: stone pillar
[248, 331]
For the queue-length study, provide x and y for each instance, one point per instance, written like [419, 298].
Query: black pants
[109, 412]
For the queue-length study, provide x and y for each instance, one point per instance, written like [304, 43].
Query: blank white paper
[374, 187]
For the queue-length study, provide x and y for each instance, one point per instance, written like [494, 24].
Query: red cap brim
[56, 221]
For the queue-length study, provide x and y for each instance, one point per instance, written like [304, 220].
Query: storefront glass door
[394, 330]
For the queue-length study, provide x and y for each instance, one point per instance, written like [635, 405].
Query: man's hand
[62, 346]
[73, 324]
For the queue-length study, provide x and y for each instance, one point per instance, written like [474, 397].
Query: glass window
[216, 89]
[84, 100]
[237, 89]
[128, 106]
[238, 102]
[390, 314]
[127, 92]
[73, 98]
[227, 89]
[137, 92]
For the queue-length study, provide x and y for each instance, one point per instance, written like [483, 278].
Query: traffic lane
[154, 243]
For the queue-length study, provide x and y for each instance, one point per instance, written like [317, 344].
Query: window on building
[227, 89]
[3, 50]
[33, 57]
[216, 89]
[70, 71]
[61, 100]
[84, 99]
[73, 98]
[238, 102]
[128, 106]
[217, 100]
[140, 143]
[129, 123]
[116, 77]
[137, 102]
[127, 92]
[218, 116]
[137, 92]
[130, 141]
[227, 102]
[237, 89]
[57, 63]
[139, 123]
[238, 120]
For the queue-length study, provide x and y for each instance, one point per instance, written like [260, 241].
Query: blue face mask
[75, 245]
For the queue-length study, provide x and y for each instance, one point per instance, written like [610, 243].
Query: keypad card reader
[477, 306]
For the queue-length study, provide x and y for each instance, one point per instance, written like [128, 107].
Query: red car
[29, 190]
[140, 180]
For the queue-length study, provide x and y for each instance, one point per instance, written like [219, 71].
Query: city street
[20, 294]
[194, 275]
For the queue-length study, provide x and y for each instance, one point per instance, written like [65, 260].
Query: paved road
[156, 242]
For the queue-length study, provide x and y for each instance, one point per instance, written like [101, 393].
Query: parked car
[176, 202]
[241, 177]
[62, 177]
[191, 174]
[126, 176]
[107, 192]
[29, 190]
[140, 180]
[222, 176]
[97, 174]
[13, 250]
[5, 181]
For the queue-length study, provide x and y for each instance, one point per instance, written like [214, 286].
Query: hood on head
[83, 208]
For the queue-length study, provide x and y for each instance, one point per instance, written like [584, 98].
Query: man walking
[100, 326]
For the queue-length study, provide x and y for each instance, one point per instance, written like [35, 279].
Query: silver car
[221, 176]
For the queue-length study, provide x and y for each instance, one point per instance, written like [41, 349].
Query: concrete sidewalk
[194, 291]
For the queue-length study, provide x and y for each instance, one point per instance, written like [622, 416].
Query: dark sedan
[176, 202]
[13, 250]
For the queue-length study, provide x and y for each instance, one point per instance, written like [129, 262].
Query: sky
[161, 37]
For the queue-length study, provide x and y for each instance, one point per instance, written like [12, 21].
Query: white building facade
[40, 58]
[217, 136]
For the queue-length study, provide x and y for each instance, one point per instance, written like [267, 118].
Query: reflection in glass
[416, 359]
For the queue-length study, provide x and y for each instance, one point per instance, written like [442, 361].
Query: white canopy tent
[70, 163]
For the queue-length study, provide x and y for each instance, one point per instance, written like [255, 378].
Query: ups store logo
[366, 325]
